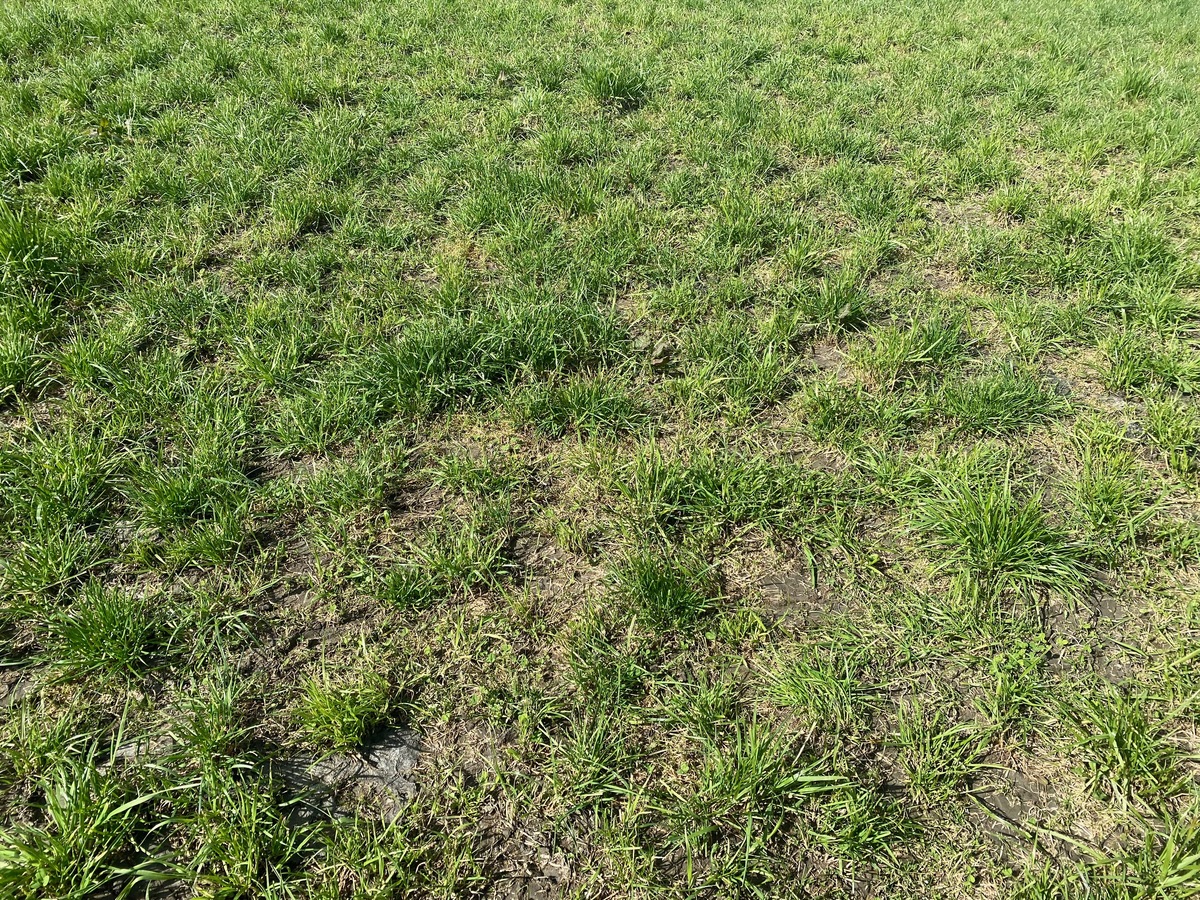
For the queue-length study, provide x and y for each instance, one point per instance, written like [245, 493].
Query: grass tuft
[91, 836]
[1121, 751]
[339, 709]
[827, 690]
[1001, 401]
[668, 593]
[893, 354]
[616, 83]
[590, 407]
[991, 541]
[109, 633]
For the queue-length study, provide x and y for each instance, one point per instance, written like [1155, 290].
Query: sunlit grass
[738, 452]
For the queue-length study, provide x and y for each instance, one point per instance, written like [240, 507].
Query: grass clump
[991, 541]
[608, 665]
[850, 415]
[57, 475]
[1138, 364]
[669, 592]
[89, 822]
[713, 494]
[1137, 82]
[895, 354]
[1174, 427]
[1000, 402]
[937, 756]
[753, 782]
[1120, 749]
[23, 359]
[837, 303]
[734, 368]
[338, 709]
[827, 689]
[590, 407]
[167, 497]
[32, 258]
[616, 83]
[448, 357]
[1114, 499]
[454, 559]
[109, 633]
[45, 562]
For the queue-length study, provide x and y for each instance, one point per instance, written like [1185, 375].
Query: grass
[1123, 752]
[753, 452]
[338, 710]
[108, 633]
[90, 823]
[670, 595]
[993, 541]
[589, 407]
[827, 690]
[1000, 402]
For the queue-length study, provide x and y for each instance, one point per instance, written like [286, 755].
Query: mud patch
[828, 359]
[1013, 805]
[1092, 633]
[796, 595]
[377, 778]
[529, 867]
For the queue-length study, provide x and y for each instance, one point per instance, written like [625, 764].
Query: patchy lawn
[546, 449]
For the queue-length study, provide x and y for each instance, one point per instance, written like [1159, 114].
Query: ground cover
[547, 449]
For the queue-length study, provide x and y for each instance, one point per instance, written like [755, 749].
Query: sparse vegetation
[479, 448]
